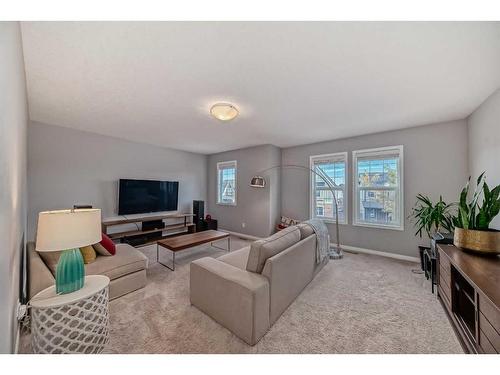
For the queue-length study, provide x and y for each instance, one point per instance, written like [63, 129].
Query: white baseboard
[380, 253]
[241, 235]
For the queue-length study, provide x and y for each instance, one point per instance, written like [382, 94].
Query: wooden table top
[189, 240]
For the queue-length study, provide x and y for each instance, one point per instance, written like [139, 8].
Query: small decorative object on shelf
[76, 323]
[472, 231]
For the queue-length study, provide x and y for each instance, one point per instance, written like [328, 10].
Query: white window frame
[221, 165]
[378, 152]
[338, 156]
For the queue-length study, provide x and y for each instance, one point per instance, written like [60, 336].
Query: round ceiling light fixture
[224, 111]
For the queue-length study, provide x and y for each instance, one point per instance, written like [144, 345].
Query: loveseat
[247, 290]
[126, 270]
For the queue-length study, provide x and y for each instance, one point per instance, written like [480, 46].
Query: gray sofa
[247, 290]
[126, 270]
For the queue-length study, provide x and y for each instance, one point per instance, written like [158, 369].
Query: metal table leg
[163, 264]
[228, 245]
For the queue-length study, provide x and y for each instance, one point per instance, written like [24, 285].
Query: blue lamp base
[70, 272]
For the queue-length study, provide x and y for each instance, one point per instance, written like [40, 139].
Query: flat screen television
[143, 196]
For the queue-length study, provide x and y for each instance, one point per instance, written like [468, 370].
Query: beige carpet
[360, 304]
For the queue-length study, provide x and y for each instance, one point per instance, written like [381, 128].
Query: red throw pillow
[108, 244]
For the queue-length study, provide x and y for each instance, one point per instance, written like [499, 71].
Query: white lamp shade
[68, 229]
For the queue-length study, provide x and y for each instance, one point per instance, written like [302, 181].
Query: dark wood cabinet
[469, 289]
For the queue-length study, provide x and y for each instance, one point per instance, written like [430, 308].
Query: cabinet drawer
[485, 344]
[445, 280]
[444, 262]
[445, 287]
[490, 312]
[445, 297]
[489, 332]
[445, 272]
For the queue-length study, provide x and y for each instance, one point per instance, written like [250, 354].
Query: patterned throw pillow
[101, 250]
[105, 247]
[286, 221]
[88, 254]
[50, 258]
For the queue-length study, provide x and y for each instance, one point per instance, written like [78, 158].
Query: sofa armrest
[288, 273]
[40, 276]
[235, 298]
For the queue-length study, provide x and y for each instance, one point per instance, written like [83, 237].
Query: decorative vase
[480, 241]
[70, 271]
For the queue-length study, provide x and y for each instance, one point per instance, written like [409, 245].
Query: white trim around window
[221, 166]
[328, 158]
[388, 154]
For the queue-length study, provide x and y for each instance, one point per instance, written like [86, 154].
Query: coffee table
[186, 241]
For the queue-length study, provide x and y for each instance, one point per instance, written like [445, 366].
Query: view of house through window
[378, 187]
[322, 203]
[226, 182]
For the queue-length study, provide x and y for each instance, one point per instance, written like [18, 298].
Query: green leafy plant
[431, 217]
[472, 215]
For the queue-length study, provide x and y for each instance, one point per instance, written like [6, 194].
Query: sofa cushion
[263, 249]
[125, 261]
[50, 258]
[305, 230]
[40, 276]
[238, 258]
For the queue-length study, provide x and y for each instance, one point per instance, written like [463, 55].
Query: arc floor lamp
[259, 181]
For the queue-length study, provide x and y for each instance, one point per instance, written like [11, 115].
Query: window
[322, 203]
[378, 187]
[226, 182]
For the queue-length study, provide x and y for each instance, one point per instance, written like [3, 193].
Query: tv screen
[142, 196]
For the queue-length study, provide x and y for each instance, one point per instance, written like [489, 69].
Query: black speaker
[151, 225]
[211, 224]
[198, 211]
[201, 225]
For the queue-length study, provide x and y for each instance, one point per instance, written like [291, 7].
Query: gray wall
[257, 209]
[67, 166]
[435, 163]
[484, 142]
[13, 123]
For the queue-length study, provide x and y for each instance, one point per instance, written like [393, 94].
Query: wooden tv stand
[186, 226]
[468, 287]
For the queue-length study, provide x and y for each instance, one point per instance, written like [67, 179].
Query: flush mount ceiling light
[224, 111]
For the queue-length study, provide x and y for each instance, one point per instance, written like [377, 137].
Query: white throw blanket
[322, 238]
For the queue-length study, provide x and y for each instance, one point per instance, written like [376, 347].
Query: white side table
[76, 322]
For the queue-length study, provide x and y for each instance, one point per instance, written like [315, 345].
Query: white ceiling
[294, 82]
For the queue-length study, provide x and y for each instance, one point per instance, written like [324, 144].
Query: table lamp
[67, 231]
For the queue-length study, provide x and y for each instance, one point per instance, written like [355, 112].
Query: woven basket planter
[481, 241]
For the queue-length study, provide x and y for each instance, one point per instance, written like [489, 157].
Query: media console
[148, 229]
[468, 287]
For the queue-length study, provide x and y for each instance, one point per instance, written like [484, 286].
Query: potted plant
[431, 218]
[472, 231]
